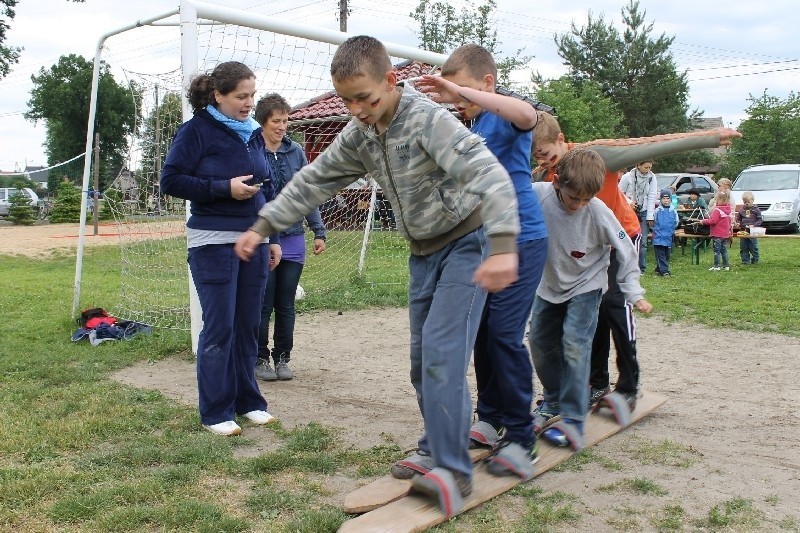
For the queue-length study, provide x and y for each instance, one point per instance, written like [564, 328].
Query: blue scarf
[243, 128]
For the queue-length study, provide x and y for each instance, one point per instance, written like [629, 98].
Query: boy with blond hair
[616, 315]
[455, 204]
[503, 369]
[749, 216]
[581, 231]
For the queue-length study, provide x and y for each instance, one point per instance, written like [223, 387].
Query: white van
[5, 198]
[776, 189]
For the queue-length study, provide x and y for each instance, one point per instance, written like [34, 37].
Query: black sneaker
[596, 394]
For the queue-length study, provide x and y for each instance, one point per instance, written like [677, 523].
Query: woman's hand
[242, 191]
[319, 246]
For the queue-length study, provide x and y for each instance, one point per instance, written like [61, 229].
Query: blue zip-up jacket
[205, 155]
[288, 159]
[665, 220]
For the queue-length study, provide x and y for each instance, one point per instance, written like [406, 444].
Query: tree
[67, 204]
[61, 96]
[158, 130]
[584, 112]
[20, 211]
[770, 134]
[635, 70]
[9, 55]
[442, 29]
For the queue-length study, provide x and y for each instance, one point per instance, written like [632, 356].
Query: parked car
[5, 198]
[776, 189]
[683, 182]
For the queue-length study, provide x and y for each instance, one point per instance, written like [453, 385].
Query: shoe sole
[233, 433]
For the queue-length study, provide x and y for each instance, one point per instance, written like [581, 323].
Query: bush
[20, 211]
[67, 204]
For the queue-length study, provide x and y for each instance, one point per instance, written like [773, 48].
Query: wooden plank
[387, 489]
[416, 513]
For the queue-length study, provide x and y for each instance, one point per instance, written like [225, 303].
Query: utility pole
[343, 16]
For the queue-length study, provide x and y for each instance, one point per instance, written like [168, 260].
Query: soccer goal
[288, 58]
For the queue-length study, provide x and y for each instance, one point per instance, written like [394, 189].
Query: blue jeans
[279, 296]
[561, 344]
[662, 258]
[230, 293]
[503, 368]
[444, 311]
[645, 229]
[748, 250]
[720, 251]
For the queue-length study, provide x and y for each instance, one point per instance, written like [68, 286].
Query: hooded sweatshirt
[720, 221]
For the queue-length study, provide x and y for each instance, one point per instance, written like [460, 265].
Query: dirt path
[732, 414]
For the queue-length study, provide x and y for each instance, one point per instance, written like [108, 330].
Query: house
[38, 175]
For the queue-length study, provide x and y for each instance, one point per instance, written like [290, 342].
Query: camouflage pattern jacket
[439, 177]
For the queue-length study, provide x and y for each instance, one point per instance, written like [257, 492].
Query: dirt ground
[732, 408]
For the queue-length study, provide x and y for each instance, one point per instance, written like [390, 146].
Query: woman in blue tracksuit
[285, 157]
[217, 162]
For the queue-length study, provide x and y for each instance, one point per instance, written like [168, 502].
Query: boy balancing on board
[581, 232]
[455, 204]
[503, 367]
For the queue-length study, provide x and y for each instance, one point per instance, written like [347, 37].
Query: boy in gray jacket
[455, 204]
[581, 232]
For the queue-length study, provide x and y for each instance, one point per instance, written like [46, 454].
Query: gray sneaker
[284, 373]
[264, 370]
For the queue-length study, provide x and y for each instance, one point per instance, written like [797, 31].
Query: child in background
[665, 220]
[749, 216]
[720, 222]
[503, 369]
[673, 197]
[581, 232]
[695, 200]
[455, 204]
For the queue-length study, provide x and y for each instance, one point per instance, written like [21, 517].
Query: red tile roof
[330, 105]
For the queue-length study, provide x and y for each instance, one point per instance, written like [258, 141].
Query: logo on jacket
[403, 152]
[576, 254]
[621, 235]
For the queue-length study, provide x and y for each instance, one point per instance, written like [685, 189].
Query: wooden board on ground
[416, 513]
[387, 489]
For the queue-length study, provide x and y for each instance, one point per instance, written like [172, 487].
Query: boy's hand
[497, 272]
[242, 191]
[726, 134]
[246, 244]
[643, 305]
[319, 246]
[439, 89]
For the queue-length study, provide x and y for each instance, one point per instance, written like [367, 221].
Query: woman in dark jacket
[217, 162]
[285, 157]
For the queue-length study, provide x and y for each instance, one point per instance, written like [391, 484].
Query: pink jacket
[720, 221]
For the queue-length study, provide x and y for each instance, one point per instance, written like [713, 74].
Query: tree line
[620, 83]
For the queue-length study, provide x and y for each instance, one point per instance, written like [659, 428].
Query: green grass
[636, 486]
[80, 452]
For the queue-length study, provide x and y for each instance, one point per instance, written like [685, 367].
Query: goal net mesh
[363, 245]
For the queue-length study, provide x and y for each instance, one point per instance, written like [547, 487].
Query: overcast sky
[730, 50]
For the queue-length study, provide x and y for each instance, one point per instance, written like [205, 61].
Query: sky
[729, 50]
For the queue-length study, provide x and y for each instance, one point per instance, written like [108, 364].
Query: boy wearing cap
[665, 220]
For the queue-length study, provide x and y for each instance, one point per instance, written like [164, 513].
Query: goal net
[363, 245]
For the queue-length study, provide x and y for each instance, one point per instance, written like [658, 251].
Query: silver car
[5, 198]
[776, 189]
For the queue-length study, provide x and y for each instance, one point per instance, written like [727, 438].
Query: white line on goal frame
[191, 12]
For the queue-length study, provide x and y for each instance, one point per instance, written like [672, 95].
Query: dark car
[683, 181]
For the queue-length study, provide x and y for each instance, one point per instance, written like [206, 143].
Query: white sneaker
[259, 417]
[714, 269]
[726, 268]
[227, 428]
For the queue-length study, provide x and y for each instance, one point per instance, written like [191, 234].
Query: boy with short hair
[616, 315]
[503, 369]
[449, 195]
[749, 216]
[581, 231]
[665, 220]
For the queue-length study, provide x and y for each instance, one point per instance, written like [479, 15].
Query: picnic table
[700, 242]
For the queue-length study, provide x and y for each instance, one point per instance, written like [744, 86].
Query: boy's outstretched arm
[521, 114]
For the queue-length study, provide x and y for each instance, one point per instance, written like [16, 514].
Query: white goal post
[268, 45]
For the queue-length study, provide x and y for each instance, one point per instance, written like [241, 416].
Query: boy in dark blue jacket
[665, 220]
